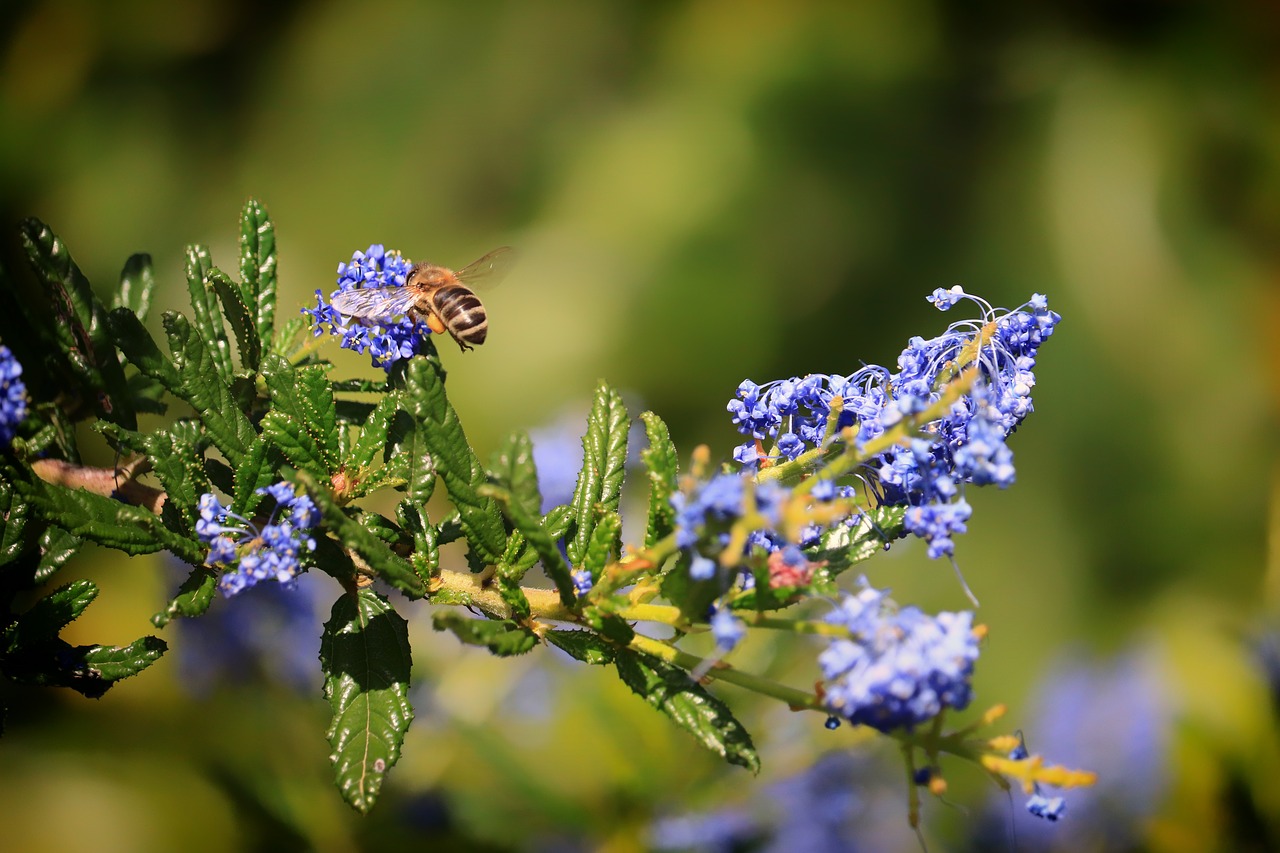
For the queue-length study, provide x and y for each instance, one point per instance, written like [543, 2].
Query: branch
[118, 483]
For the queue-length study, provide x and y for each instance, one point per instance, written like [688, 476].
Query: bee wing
[489, 270]
[374, 303]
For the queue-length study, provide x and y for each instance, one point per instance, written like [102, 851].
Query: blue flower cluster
[898, 668]
[387, 340]
[967, 445]
[13, 396]
[271, 552]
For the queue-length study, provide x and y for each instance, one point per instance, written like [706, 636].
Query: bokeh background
[704, 192]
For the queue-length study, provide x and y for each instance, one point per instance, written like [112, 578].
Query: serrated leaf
[14, 512]
[365, 656]
[116, 663]
[842, 546]
[407, 459]
[177, 460]
[604, 457]
[425, 558]
[82, 329]
[389, 565]
[89, 670]
[258, 266]
[254, 472]
[205, 316]
[193, 598]
[288, 336]
[556, 522]
[530, 527]
[662, 464]
[56, 547]
[504, 638]
[48, 616]
[142, 351]
[670, 689]
[304, 395]
[240, 316]
[604, 545]
[512, 465]
[206, 391]
[137, 284]
[583, 645]
[295, 442]
[373, 435]
[454, 460]
[100, 519]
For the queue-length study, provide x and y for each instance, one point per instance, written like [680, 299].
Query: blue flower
[387, 340]
[272, 552]
[13, 396]
[897, 668]
[1049, 808]
[727, 629]
[582, 582]
[965, 445]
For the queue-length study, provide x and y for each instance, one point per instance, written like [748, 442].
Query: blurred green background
[701, 193]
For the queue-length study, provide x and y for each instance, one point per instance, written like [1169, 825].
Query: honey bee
[435, 295]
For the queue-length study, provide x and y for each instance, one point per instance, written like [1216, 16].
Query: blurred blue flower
[898, 668]
[269, 634]
[13, 396]
[1114, 717]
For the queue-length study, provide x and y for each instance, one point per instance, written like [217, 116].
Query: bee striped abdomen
[462, 314]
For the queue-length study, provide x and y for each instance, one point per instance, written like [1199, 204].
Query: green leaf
[365, 656]
[177, 459]
[304, 395]
[512, 465]
[425, 558]
[240, 316]
[48, 616]
[82, 324]
[670, 689]
[258, 266]
[841, 546]
[14, 513]
[141, 349]
[100, 519]
[583, 645]
[193, 598]
[56, 547]
[137, 284]
[605, 544]
[204, 388]
[531, 528]
[253, 473]
[407, 458]
[89, 670]
[389, 565]
[662, 463]
[287, 339]
[555, 523]
[373, 434]
[456, 462]
[295, 442]
[206, 317]
[604, 448]
[116, 663]
[504, 638]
